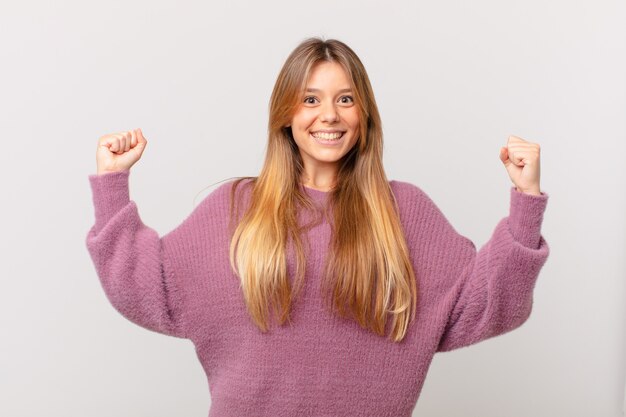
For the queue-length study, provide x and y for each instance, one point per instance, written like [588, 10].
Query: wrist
[108, 171]
[533, 191]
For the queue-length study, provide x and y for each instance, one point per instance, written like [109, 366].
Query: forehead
[328, 74]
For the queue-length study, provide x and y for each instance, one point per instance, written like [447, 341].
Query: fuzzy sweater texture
[181, 284]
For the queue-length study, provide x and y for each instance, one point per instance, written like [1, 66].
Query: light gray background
[452, 80]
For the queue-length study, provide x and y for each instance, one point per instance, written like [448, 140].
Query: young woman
[318, 288]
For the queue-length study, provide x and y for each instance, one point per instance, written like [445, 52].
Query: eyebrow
[317, 90]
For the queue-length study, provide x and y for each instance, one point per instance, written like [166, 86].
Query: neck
[322, 180]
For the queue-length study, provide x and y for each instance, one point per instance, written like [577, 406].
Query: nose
[329, 113]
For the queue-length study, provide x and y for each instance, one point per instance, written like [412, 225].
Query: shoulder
[404, 188]
[416, 207]
[238, 187]
[214, 209]
[229, 197]
[409, 195]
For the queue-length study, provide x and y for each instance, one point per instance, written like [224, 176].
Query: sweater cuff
[525, 217]
[110, 194]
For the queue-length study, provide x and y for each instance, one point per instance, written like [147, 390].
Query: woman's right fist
[119, 151]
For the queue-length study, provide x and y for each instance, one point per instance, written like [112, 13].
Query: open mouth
[327, 137]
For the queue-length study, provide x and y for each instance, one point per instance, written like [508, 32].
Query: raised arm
[130, 260]
[492, 291]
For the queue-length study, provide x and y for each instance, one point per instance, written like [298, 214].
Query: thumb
[141, 141]
[504, 156]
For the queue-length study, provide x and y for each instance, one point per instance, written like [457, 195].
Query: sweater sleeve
[491, 291]
[129, 257]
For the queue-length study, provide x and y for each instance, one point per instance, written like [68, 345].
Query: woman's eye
[343, 100]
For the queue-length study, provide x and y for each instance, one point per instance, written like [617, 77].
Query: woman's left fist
[521, 160]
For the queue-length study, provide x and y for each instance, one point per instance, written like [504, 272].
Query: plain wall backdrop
[452, 79]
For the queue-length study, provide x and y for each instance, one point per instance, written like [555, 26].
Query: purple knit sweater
[181, 284]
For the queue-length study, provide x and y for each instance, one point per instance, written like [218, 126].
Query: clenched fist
[119, 151]
[521, 160]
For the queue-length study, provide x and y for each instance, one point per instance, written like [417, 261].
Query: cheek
[354, 123]
[352, 117]
[303, 120]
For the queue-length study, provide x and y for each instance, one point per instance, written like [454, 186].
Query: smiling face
[325, 125]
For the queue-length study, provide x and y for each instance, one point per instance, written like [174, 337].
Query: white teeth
[327, 136]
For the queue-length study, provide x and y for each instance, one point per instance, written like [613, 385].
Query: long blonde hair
[368, 269]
